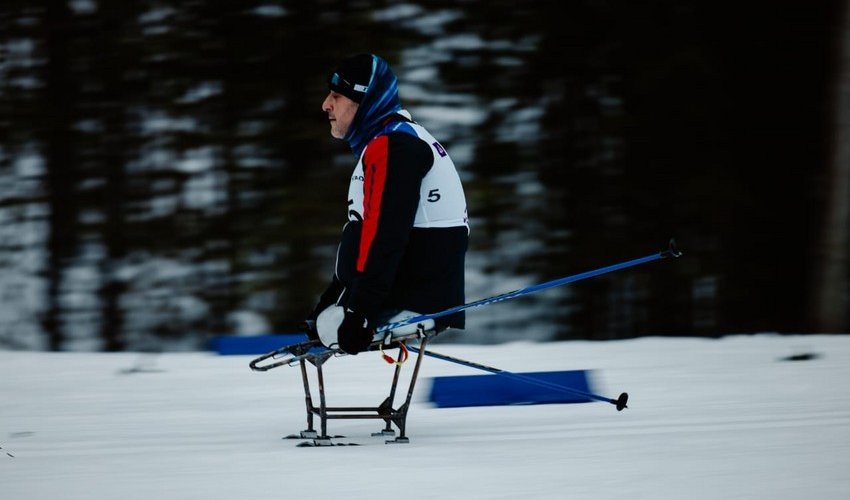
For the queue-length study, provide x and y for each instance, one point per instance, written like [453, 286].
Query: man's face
[341, 111]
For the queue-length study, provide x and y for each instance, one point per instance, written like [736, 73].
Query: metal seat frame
[385, 411]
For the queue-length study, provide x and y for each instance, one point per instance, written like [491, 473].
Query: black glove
[354, 334]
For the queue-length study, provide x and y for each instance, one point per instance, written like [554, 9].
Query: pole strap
[403, 354]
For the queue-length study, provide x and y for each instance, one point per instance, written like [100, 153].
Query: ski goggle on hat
[351, 78]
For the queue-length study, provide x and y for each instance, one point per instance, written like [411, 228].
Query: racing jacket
[405, 242]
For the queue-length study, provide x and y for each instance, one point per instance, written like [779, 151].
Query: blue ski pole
[620, 402]
[671, 251]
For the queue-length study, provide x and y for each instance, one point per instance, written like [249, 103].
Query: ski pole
[671, 251]
[620, 402]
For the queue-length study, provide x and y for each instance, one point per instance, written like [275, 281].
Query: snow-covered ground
[707, 419]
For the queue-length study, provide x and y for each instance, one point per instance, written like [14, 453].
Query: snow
[722, 418]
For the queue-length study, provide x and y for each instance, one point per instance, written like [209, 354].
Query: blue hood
[380, 102]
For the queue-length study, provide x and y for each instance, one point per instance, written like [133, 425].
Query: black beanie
[351, 78]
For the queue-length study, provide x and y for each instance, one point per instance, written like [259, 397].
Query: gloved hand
[354, 334]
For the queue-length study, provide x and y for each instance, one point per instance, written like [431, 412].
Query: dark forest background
[167, 175]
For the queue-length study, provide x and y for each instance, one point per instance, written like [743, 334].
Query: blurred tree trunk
[110, 67]
[60, 166]
[830, 307]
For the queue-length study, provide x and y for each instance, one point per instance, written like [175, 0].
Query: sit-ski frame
[385, 411]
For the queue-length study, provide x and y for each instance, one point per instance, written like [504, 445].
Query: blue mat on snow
[256, 344]
[498, 390]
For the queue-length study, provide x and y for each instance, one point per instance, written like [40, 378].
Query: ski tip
[621, 401]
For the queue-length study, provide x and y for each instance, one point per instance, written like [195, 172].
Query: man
[404, 245]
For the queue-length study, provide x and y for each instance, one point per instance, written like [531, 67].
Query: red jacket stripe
[374, 179]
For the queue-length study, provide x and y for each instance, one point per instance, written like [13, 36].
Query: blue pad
[257, 344]
[496, 390]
